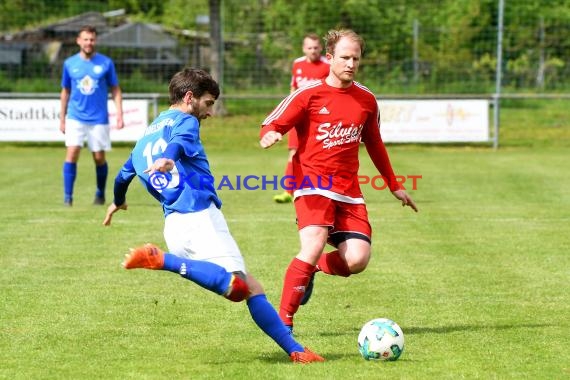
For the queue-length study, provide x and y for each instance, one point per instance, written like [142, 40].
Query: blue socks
[268, 320]
[69, 174]
[101, 172]
[216, 279]
[208, 275]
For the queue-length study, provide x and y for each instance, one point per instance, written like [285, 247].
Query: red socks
[332, 263]
[296, 279]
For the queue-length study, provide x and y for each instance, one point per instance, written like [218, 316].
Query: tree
[216, 43]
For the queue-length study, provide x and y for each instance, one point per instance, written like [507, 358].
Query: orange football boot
[306, 357]
[148, 256]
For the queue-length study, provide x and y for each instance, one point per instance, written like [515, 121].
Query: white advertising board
[38, 120]
[434, 120]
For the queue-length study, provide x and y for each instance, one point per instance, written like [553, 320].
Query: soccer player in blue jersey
[171, 163]
[86, 80]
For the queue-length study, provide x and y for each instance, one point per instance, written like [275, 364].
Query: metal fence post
[497, 96]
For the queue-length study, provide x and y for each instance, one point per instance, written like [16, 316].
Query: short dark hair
[88, 29]
[197, 81]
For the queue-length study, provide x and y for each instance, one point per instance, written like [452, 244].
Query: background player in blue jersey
[171, 163]
[86, 80]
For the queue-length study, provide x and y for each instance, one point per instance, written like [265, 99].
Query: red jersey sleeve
[286, 115]
[377, 152]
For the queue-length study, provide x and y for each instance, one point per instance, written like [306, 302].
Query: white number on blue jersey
[160, 182]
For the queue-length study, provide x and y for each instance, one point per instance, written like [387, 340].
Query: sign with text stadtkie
[38, 120]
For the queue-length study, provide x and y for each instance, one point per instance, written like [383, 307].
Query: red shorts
[345, 220]
[293, 139]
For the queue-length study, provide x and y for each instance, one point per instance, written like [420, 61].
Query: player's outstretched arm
[270, 138]
[113, 208]
[405, 198]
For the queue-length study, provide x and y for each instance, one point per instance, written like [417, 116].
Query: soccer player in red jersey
[332, 117]
[307, 69]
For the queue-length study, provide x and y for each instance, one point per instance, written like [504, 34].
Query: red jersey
[331, 122]
[305, 72]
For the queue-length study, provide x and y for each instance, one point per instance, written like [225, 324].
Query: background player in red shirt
[332, 117]
[306, 69]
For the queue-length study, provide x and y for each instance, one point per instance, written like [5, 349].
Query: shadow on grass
[450, 329]
[414, 330]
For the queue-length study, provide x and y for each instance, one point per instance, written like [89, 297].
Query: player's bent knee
[238, 289]
[357, 267]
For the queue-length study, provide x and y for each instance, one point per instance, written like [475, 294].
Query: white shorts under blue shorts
[203, 235]
[97, 135]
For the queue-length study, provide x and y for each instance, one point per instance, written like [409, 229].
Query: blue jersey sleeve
[122, 182]
[65, 78]
[187, 135]
[111, 76]
[173, 151]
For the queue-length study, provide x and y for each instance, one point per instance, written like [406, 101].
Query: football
[381, 339]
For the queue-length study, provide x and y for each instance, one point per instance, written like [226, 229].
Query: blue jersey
[189, 187]
[89, 82]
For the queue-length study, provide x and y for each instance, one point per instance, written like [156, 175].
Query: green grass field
[479, 279]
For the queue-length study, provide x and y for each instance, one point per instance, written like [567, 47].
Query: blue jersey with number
[189, 187]
[89, 82]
